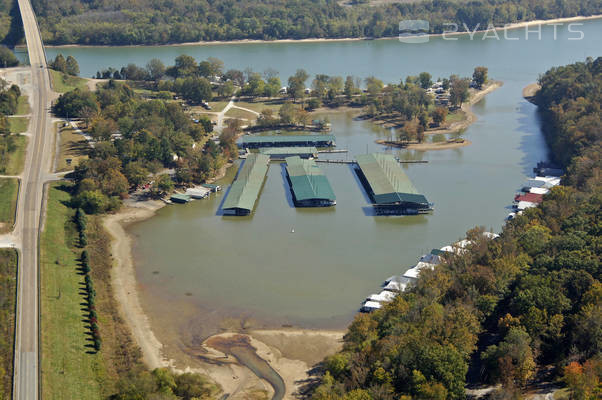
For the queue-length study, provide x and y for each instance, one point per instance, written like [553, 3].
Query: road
[37, 163]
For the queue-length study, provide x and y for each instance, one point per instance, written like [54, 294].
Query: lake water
[317, 276]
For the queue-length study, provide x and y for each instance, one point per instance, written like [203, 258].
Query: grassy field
[238, 113]
[8, 290]
[13, 164]
[18, 124]
[259, 106]
[8, 203]
[62, 83]
[23, 106]
[70, 367]
[216, 106]
[455, 116]
[73, 146]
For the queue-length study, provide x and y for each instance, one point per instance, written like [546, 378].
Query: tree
[75, 104]
[236, 76]
[136, 173]
[458, 91]
[71, 66]
[374, 86]
[7, 58]
[425, 80]
[272, 88]
[480, 76]
[226, 89]
[350, 88]
[296, 84]
[156, 69]
[287, 113]
[163, 184]
[59, 63]
[185, 65]
[439, 114]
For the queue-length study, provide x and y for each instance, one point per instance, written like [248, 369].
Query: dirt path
[219, 126]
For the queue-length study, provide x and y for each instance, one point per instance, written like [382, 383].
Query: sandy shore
[438, 146]
[123, 279]
[530, 91]
[318, 40]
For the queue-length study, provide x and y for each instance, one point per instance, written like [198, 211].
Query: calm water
[318, 276]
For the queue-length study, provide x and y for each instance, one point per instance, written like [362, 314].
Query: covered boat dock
[390, 189]
[257, 141]
[309, 185]
[245, 190]
[280, 153]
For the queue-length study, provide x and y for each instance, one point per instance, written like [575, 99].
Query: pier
[245, 190]
[390, 189]
[256, 141]
[309, 185]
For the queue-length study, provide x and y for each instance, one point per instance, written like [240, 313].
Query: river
[199, 271]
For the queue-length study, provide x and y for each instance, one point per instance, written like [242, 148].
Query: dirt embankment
[530, 91]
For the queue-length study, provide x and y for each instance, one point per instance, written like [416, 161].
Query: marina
[255, 141]
[244, 191]
[280, 153]
[390, 189]
[309, 186]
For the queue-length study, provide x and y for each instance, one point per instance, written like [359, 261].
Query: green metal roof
[250, 139]
[388, 183]
[307, 180]
[289, 150]
[245, 189]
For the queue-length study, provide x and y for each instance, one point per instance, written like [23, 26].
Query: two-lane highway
[26, 367]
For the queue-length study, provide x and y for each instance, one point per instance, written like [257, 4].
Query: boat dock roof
[245, 189]
[387, 182]
[307, 180]
[319, 140]
[283, 152]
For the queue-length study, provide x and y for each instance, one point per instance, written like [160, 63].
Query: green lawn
[62, 83]
[260, 105]
[8, 290]
[23, 106]
[13, 164]
[70, 369]
[18, 124]
[455, 116]
[9, 188]
[74, 147]
[238, 113]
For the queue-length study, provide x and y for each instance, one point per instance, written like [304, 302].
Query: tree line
[105, 22]
[9, 102]
[508, 308]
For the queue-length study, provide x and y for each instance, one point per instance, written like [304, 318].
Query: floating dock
[280, 153]
[256, 141]
[245, 190]
[179, 198]
[309, 185]
[390, 189]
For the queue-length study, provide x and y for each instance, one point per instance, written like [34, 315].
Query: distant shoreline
[318, 40]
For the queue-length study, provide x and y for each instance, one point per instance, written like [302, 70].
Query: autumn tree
[480, 76]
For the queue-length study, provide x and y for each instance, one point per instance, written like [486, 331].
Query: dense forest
[152, 135]
[110, 22]
[507, 309]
